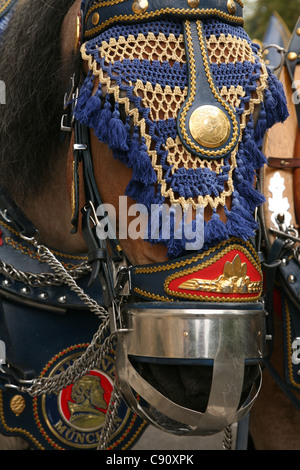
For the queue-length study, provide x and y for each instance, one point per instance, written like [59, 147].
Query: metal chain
[42, 279]
[92, 356]
[111, 415]
[94, 352]
[227, 438]
[58, 268]
[101, 343]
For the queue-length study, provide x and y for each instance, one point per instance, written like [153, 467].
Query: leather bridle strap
[101, 252]
[292, 60]
[13, 215]
[284, 163]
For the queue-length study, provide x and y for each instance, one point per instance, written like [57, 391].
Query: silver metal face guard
[230, 336]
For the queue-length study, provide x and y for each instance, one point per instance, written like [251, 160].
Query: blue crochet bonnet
[6, 11]
[155, 72]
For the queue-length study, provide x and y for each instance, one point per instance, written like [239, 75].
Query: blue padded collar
[99, 15]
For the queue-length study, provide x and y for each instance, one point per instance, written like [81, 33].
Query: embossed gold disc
[231, 7]
[95, 18]
[140, 6]
[17, 405]
[292, 56]
[193, 3]
[209, 126]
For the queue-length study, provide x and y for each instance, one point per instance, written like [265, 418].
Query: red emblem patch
[84, 404]
[229, 276]
[74, 417]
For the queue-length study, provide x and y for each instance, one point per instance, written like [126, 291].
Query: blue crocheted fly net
[7, 8]
[151, 87]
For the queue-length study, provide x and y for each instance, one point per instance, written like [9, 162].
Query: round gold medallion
[209, 126]
[95, 18]
[292, 56]
[231, 7]
[193, 3]
[140, 6]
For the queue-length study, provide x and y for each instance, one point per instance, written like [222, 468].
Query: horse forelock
[35, 74]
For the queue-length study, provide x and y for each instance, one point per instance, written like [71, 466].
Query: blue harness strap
[102, 15]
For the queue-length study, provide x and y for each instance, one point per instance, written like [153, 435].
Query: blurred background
[258, 12]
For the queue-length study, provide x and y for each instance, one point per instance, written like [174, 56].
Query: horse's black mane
[35, 77]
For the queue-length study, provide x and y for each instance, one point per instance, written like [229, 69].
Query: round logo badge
[83, 405]
[209, 126]
[76, 415]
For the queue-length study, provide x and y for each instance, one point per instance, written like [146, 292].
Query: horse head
[172, 123]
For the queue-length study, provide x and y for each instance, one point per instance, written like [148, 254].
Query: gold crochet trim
[225, 49]
[149, 47]
[5, 4]
[165, 102]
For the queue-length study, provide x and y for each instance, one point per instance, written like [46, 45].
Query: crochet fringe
[103, 116]
[162, 229]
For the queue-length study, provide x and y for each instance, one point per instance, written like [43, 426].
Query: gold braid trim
[135, 436]
[156, 14]
[5, 5]
[178, 264]
[200, 298]
[152, 296]
[26, 250]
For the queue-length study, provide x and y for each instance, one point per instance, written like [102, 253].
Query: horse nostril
[188, 385]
